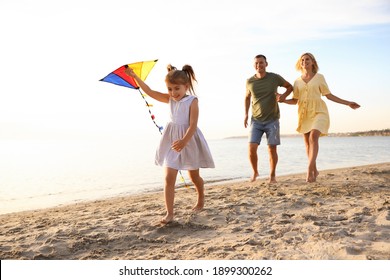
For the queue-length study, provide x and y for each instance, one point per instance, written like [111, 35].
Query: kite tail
[183, 180]
[160, 128]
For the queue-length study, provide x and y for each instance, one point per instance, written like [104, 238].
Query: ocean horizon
[38, 174]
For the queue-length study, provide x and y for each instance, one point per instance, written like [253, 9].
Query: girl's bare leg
[169, 194]
[199, 185]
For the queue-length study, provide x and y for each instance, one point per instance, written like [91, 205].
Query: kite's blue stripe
[115, 79]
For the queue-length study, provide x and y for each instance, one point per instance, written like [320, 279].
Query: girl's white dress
[196, 154]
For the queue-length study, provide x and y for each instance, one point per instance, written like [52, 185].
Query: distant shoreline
[383, 132]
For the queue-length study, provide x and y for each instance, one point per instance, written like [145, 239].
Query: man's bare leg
[253, 160]
[273, 161]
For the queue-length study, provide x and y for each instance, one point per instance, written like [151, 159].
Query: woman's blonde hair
[186, 76]
[298, 65]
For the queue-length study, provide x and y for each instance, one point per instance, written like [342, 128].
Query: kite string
[160, 128]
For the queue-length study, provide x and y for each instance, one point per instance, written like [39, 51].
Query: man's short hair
[261, 56]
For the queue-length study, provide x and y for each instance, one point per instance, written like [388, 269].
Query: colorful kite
[120, 78]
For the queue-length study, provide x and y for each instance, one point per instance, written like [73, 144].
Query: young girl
[182, 146]
[313, 116]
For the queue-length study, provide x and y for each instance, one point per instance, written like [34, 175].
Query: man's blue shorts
[270, 128]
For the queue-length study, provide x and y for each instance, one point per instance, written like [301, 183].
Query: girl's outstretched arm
[336, 99]
[162, 97]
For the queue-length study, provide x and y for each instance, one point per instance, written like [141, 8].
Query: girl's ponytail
[170, 68]
[191, 77]
[186, 76]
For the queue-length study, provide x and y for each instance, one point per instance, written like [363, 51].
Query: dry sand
[344, 215]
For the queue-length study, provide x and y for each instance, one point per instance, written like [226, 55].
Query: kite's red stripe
[121, 73]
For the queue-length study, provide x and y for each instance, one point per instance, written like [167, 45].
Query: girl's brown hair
[186, 76]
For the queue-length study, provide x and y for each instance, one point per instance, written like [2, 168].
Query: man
[261, 89]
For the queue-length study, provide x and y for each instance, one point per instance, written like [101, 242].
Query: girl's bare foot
[199, 206]
[167, 219]
[200, 203]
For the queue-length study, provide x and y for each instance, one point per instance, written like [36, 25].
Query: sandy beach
[345, 215]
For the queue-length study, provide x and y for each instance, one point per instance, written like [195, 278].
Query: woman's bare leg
[313, 148]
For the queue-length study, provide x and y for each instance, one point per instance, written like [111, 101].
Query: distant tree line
[383, 132]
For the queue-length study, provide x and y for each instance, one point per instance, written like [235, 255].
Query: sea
[37, 174]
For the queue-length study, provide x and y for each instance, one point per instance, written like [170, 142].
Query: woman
[313, 116]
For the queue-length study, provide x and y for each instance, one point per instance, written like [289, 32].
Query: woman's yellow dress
[312, 110]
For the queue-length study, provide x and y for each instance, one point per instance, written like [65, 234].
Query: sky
[53, 54]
